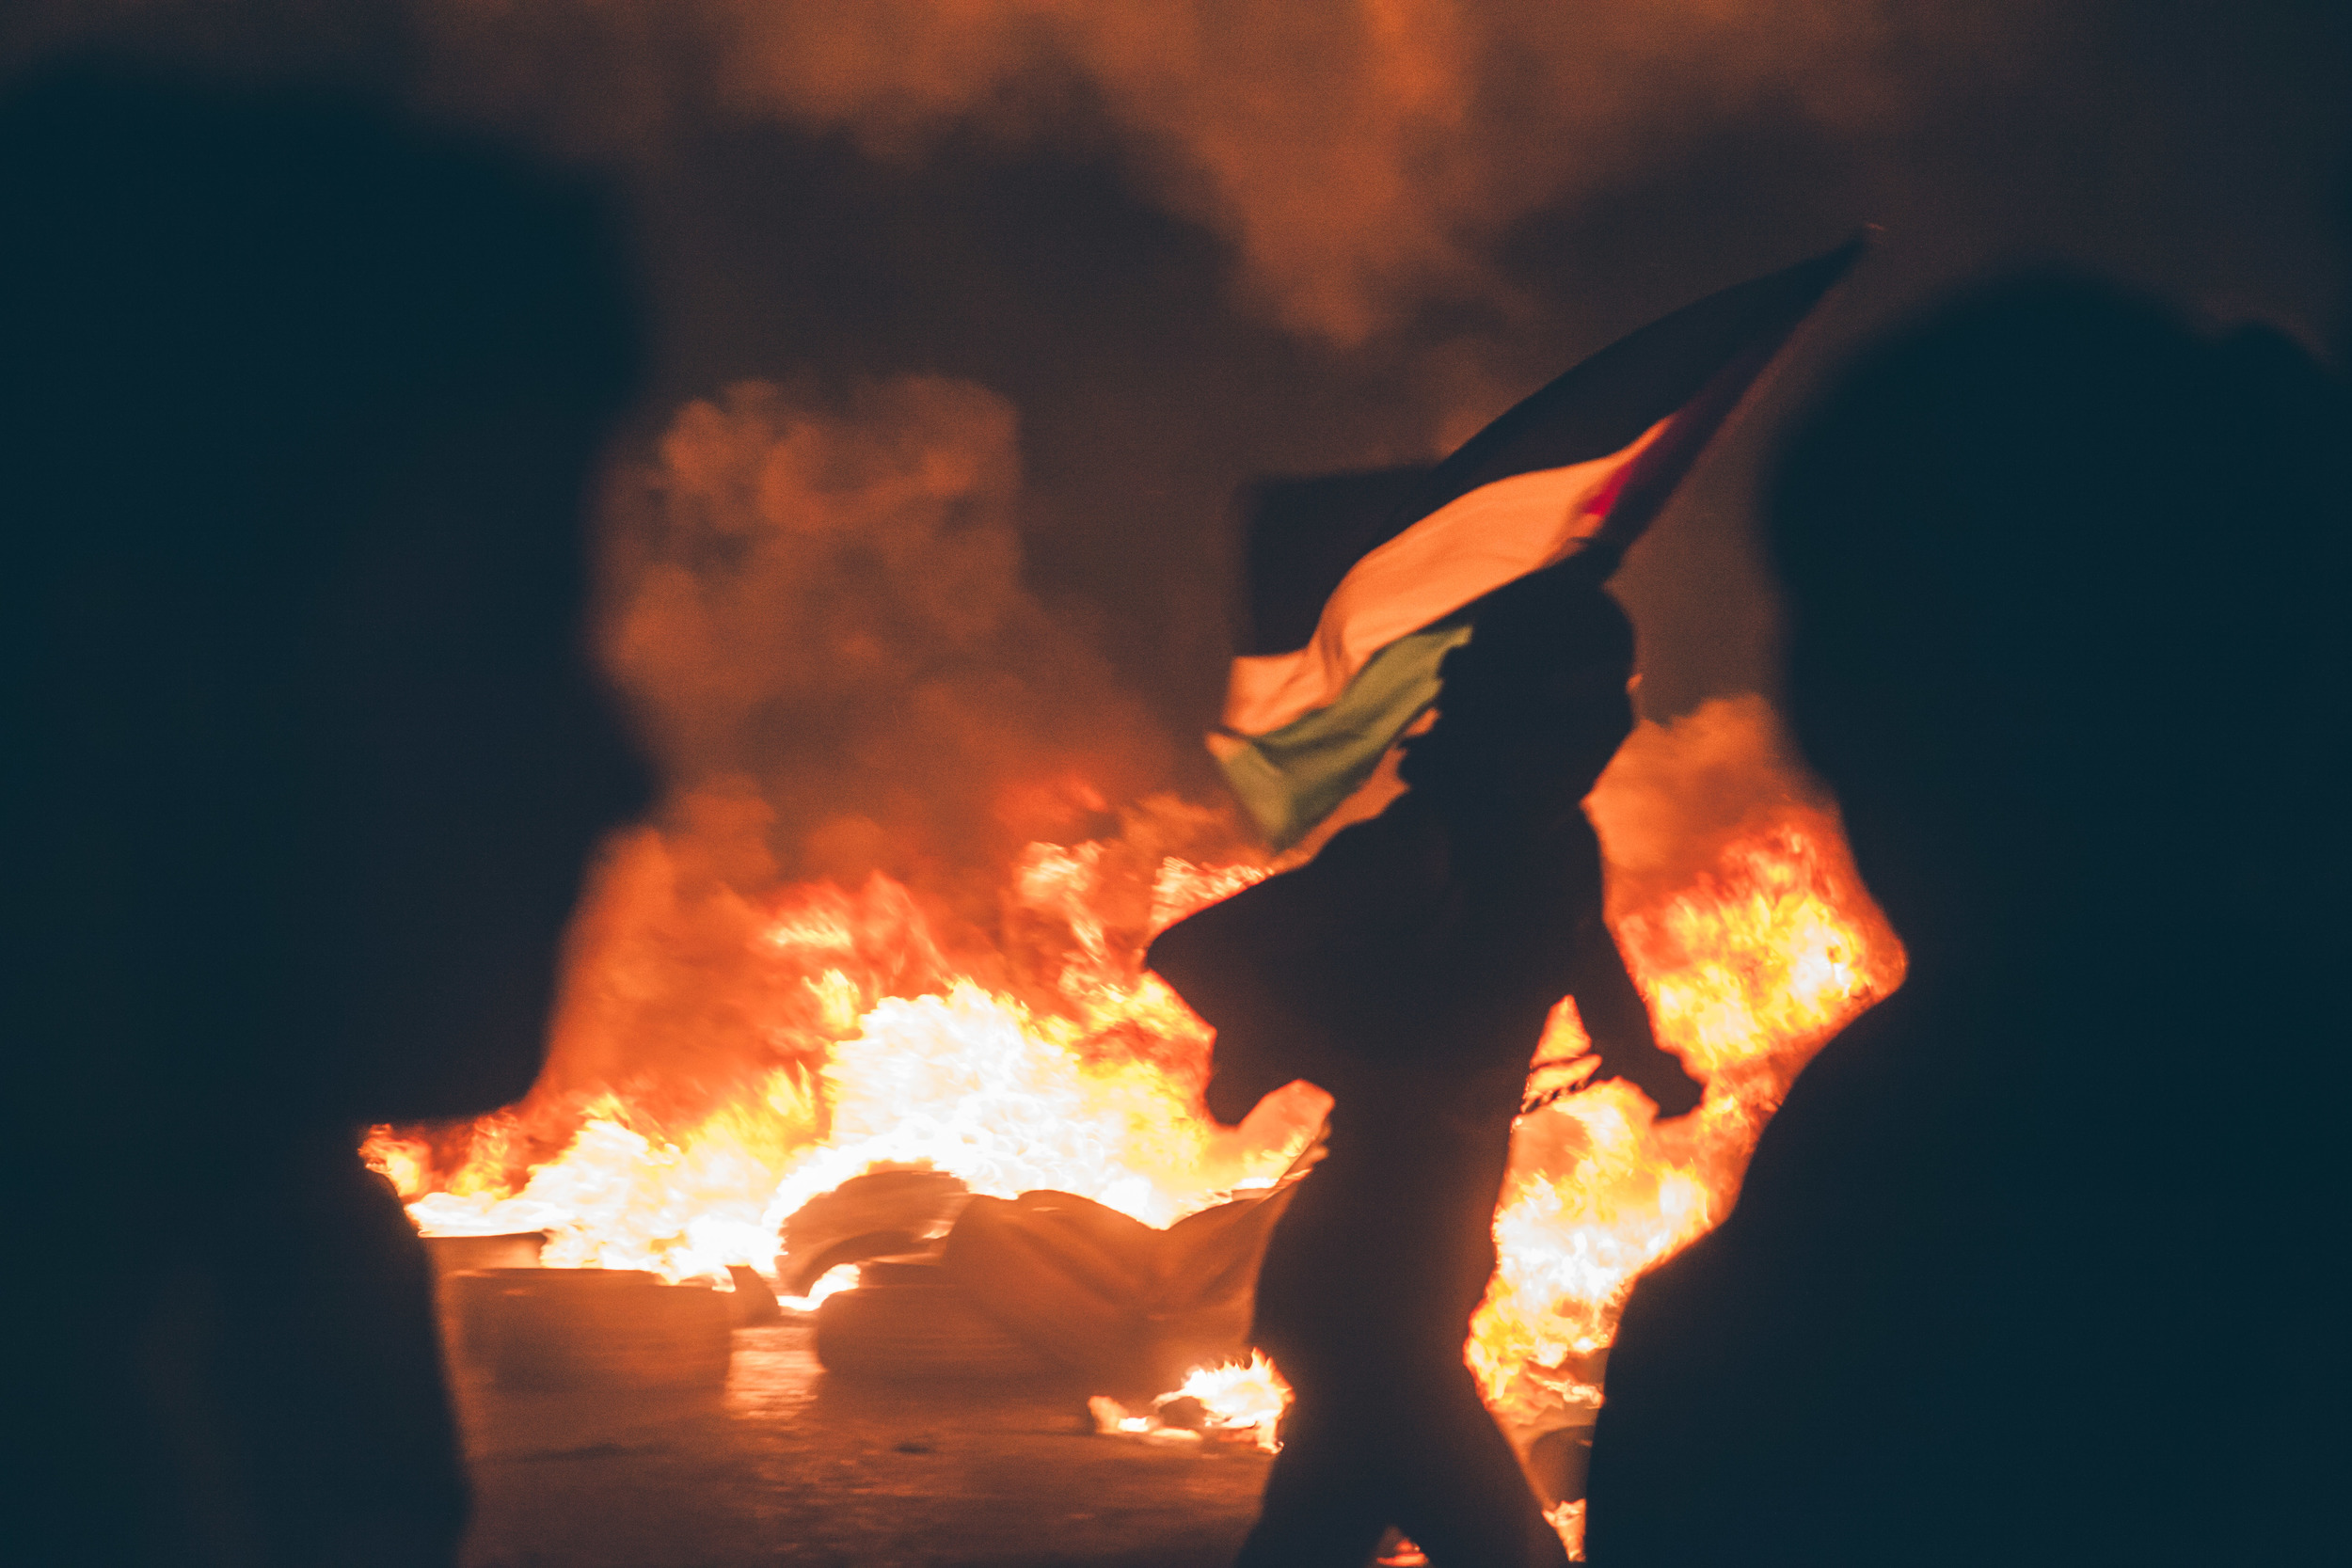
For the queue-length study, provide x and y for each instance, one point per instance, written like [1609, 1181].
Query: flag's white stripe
[1468, 548]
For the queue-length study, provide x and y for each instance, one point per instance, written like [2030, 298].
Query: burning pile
[1053, 1063]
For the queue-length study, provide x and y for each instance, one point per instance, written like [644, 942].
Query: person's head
[2056, 565]
[298, 408]
[1533, 706]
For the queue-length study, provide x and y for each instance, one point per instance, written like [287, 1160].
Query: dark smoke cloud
[1195, 241]
[1364, 159]
[1175, 244]
[973, 313]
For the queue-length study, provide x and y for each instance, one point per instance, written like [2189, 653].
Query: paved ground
[791, 1465]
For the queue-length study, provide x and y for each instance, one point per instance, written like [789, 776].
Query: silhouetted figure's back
[303, 760]
[1408, 969]
[2026, 1269]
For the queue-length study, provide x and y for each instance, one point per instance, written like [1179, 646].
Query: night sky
[1148, 249]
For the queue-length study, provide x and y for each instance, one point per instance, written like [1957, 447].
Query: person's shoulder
[1407, 843]
[1411, 816]
[1282, 914]
[1877, 1115]
[1367, 872]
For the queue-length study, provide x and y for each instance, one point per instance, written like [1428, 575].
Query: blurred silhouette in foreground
[2028, 1267]
[305, 756]
[1408, 970]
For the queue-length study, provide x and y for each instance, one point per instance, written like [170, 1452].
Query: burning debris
[1048, 1284]
[1745, 927]
[1239, 1400]
[1133, 1307]
[867, 1216]
[944, 1082]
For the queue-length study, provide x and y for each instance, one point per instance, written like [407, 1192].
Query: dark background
[1189, 243]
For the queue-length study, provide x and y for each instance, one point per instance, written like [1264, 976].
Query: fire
[618, 1198]
[1239, 1399]
[1100, 1096]
[1246, 1394]
[975, 1084]
[1072, 1069]
[1747, 973]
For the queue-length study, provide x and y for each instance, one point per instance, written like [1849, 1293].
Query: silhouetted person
[303, 757]
[1408, 970]
[2028, 1267]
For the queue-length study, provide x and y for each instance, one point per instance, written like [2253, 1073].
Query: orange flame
[1242, 1394]
[1093, 1087]
[1747, 973]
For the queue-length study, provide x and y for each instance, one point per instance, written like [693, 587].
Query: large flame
[1100, 1096]
[1089, 1081]
[1747, 973]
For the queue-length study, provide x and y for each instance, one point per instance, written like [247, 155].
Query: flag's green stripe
[1291, 778]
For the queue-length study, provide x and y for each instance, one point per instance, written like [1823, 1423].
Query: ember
[1751, 956]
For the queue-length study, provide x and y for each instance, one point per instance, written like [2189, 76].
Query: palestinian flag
[1361, 583]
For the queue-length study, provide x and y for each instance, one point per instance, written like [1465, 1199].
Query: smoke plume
[817, 606]
[823, 602]
[1363, 157]
[1214, 238]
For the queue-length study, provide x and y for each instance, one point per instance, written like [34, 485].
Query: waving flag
[1396, 561]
